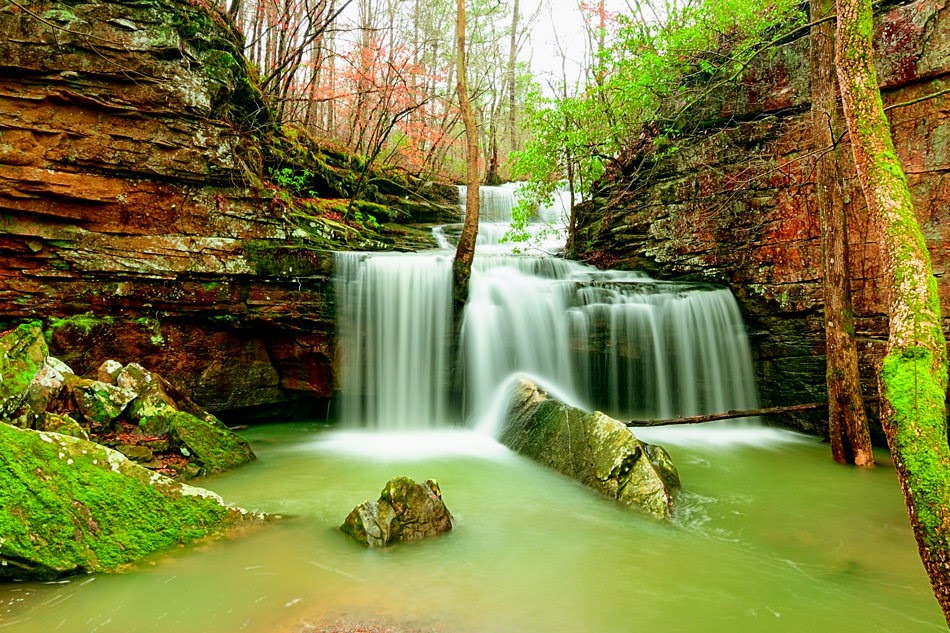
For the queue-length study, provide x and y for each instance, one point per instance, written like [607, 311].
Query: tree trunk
[847, 420]
[913, 376]
[510, 77]
[465, 252]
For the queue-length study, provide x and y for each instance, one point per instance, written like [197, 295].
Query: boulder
[406, 511]
[68, 505]
[129, 408]
[22, 352]
[593, 448]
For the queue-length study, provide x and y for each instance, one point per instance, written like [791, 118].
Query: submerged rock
[593, 448]
[406, 511]
[68, 505]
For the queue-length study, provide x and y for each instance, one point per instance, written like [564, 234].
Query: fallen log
[729, 415]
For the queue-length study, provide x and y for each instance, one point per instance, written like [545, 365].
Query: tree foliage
[378, 76]
[650, 73]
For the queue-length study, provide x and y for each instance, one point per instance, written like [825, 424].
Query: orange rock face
[129, 190]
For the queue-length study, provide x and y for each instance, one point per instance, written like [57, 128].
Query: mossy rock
[405, 511]
[63, 424]
[206, 441]
[22, 353]
[592, 448]
[68, 505]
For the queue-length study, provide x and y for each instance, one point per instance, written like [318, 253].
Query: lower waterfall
[615, 341]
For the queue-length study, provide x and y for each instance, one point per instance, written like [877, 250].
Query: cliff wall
[133, 214]
[735, 203]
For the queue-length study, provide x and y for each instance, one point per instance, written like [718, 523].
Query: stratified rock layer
[736, 203]
[593, 448]
[130, 189]
[405, 511]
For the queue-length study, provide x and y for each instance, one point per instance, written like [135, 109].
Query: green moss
[68, 505]
[22, 353]
[61, 15]
[916, 393]
[208, 441]
[154, 327]
[286, 258]
[84, 323]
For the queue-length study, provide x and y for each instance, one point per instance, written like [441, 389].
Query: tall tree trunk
[465, 252]
[913, 376]
[510, 76]
[847, 420]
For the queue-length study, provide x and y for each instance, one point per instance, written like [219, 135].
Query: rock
[64, 425]
[141, 412]
[592, 448]
[22, 352]
[406, 511]
[101, 403]
[68, 506]
[108, 371]
[43, 391]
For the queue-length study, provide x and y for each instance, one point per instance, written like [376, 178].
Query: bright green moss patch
[22, 352]
[209, 442]
[68, 505]
[917, 393]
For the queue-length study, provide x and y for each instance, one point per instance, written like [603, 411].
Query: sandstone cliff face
[133, 218]
[129, 188]
[736, 203]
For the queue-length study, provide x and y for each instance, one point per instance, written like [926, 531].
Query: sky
[559, 20]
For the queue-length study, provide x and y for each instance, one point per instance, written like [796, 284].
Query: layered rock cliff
[735, 203]
[133, 216]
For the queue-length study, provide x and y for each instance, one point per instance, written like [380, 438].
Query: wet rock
[101, 403]
[592, 448]
[109, 371]
[143, 413]
[68, 505]
[405, 511]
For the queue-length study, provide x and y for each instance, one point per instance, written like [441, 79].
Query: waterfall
[615, 341]
[495, 208]
[393, 328]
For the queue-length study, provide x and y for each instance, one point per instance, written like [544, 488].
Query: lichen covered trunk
[913, 377]
[465, 251]
[847, 420]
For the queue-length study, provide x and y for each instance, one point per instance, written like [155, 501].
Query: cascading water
[393, 324]
[615, 341]
[495, 214]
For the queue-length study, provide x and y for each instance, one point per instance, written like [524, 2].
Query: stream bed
[769, 535]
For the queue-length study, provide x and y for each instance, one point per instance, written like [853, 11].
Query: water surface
[769, 536]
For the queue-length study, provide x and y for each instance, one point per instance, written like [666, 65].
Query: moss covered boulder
[22, 352]
[405, 511]
[596, 450]
[68, 505]
[160, 412]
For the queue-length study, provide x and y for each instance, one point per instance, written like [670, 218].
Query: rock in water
[406, 511]
[68, 505]
[596, 450]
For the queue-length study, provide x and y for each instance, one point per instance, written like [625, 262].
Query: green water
[770, 536]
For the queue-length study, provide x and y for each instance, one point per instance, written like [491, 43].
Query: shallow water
[770, 536]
